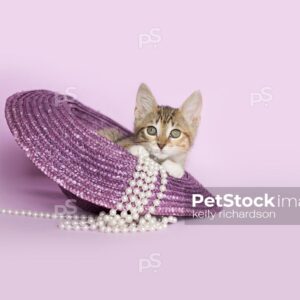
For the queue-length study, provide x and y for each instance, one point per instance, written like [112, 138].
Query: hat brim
[59, 135]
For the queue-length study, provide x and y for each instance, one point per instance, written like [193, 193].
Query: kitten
[164, 132]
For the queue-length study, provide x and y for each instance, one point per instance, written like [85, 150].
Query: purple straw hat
[59, 135]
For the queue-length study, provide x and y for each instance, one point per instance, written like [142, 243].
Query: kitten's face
[166, 132]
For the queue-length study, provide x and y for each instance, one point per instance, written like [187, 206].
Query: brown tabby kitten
[164, 132]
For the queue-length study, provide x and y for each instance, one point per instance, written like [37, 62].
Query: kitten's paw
[137, 150]
[173, 168]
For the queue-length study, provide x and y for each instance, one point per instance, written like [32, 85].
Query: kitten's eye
[151, 130]
[175, 133]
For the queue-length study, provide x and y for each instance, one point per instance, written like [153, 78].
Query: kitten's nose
[160, 145]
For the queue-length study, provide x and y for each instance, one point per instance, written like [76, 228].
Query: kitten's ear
[145, 102]
[191, 109]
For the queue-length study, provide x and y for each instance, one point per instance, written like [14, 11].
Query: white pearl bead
[121, 222]
[156, 202]
[91, 220]
[129, 219]
[160, 195]
[120, 206]
[133, 199]
[138, 203]
[112, 223]
[165, 220]
[100, 223]
[151, 186]
[124, 198]
[142, 221]
[93, 227]
[147, 216]
[164, 181]
[133, 210]
[106, 218]
[140, 209]
[152, 210]
[128, 191]
[112, 212]
[123, 214]
[108, 229]
[142, 229]
[172, 219]
[162, 188]
[68, 227]
[144, 201]
[164, 175]
[153, 220]
[135, 216]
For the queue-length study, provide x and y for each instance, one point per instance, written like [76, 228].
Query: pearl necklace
[126, 215]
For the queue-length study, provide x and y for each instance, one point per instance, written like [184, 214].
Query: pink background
[227, 49]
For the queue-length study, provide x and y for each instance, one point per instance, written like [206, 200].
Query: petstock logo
[247, 206]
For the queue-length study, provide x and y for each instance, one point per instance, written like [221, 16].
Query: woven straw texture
[58, 134]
